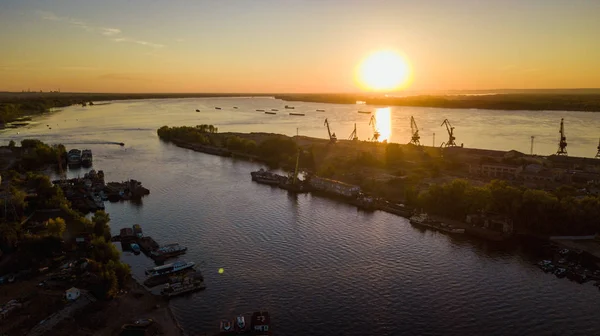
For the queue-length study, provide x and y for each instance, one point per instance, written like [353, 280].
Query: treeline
[531, 210]
[525, 101]
[13, 111]
[275, 150]
[30, 192]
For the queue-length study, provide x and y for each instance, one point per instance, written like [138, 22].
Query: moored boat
[240, 323]
[365, 112]
[86, 158]
[320, 110]
[266, 177]
[168, 251]
[226, 326]
[186, 285]
[137, 230]
[270, 112]
[170, 268]
[74, 157]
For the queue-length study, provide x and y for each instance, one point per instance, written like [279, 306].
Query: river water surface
[320, 267]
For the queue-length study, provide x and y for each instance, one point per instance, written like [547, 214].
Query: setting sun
[384, 70]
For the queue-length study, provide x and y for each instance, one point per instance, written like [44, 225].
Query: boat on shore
[170, 268]
[266, 177]
[297, 114]
[168, 251]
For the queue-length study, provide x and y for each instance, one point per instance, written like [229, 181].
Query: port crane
[562, 143]
[332, 137]
[598, 154]
[415, 132]
[353, 136]
[373, 122]
[451, 138]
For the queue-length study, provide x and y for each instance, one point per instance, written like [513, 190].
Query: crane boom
[373, 123]
[415, 132]
[451, 138]
[332, 137]
[562, 143]
[353, 135]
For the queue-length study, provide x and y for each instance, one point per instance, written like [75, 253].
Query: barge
[186, 285]
[170, 268]
[168, 251]
[266, 177]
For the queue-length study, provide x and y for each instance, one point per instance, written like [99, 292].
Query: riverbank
[574, 101]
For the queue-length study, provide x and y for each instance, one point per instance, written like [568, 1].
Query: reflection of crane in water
[415, 132]
[353, 135]
[451, 138]
[373, 122]
[562, 143]
[332, 137]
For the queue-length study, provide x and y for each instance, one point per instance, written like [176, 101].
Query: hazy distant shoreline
[534, 100]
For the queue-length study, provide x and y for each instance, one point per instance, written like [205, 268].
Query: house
[491, 221]
[72, 294]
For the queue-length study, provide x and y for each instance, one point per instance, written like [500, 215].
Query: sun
[383, 71]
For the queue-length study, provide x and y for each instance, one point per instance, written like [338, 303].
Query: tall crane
[562, 143]
[415, 132]
[373, 122]
[353, 136]
[451, 138]
[598, 154]
[332, 137]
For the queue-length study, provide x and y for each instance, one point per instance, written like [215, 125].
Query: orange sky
[295, 46]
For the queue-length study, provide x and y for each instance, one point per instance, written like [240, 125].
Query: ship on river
[170, 268]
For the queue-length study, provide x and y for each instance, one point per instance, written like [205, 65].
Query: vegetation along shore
[532, 195]
[59, 272]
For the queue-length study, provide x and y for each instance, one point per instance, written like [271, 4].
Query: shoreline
[381, 205]
[570, 101]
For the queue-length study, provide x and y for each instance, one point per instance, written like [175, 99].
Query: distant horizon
[405, 92]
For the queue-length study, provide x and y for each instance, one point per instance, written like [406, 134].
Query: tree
[100, 221]
[56, 227]
[393, 155]
[11, 144]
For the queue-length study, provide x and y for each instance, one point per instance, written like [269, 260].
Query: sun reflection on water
[383, 124]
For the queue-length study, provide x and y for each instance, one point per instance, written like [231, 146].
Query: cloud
[179, 40]
[508, 67]
[140, 42]
[111, 31]
[108, 32]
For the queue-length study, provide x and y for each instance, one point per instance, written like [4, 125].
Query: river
[321, 267]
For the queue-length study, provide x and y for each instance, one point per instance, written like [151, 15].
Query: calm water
[319, 267]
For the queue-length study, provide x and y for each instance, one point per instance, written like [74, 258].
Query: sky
[276, 46]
